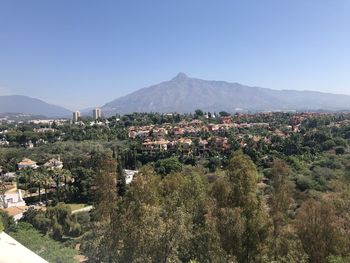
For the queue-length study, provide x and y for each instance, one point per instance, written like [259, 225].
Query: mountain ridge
[33, 106]
[185, 94]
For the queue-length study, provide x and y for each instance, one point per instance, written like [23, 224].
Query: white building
[76, 116]
[129, 175]
[13, 199]
[8, 176]
[29, 145]
[96, 113]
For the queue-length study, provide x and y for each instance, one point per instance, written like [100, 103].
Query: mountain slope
[27, 105]
[185, 94]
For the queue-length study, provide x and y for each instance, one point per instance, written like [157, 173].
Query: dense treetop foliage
[279, 191]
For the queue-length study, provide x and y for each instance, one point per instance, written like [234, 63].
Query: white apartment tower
[96, 113]
[76, 116]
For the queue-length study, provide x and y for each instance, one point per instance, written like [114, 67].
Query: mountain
[27, 105]
[185, 94]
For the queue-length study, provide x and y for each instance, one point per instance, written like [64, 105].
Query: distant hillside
[27, 105]
[185, 94]
[21, 117]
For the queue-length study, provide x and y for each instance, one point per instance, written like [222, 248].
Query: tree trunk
[39, 192]
[58, 189]
[46, 186]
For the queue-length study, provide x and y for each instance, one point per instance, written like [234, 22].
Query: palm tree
[66, 175]
[41, 179]
[27, 174]
[37, 179]
[47, 181]
[59, 175]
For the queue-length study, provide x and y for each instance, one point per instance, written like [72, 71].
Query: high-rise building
[96, 113]
[76, 116]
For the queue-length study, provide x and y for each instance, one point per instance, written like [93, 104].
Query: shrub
[304, 183]
[339, 150]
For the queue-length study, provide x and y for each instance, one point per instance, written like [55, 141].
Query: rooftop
[27, 161]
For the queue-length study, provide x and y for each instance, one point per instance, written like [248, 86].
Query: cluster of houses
[177, 138]
[51, 164]
[339, 124]
[193, 127]
[12, 200]
[187, 136]
[29, 144]
[44, 130]
[186, 145]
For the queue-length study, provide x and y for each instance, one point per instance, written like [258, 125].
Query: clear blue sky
[81, 53]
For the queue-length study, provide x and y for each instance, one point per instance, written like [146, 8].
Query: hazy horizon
[90, 107]
[82, 54]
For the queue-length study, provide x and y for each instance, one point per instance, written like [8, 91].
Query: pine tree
[106, 186]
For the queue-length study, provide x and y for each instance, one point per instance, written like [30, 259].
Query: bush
[213, 164]
[75, 230]
[32, 190]
[168, 165]
[304, 183]
[84, 219]
[339, 150]
[6, 221]
[338, 259]
[56, 221]
[340, 142]
[328, 145]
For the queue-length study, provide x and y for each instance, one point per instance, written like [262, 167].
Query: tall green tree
[280, 201]
[121, 181]
[245, 214]
[106, 186]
